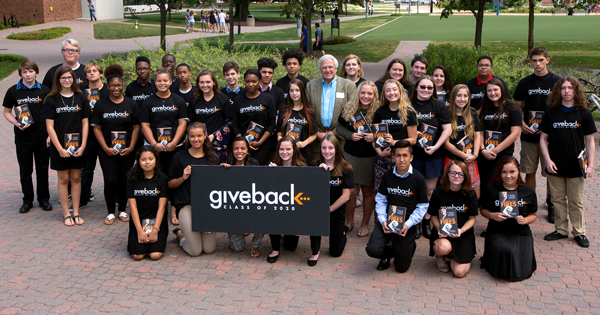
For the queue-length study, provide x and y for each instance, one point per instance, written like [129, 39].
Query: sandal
[123, 216]
[255, 252]
[69, 218]
[361, 231]
[174, 220]
[110, 219]
[75, 219]
[349, 228]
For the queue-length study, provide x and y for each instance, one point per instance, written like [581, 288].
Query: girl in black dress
[239, 155]
[257, 107]
[67, 113]
[147, 196]
[287, 155]
[116, 128]
[509, 249]
[455, 192]
[299, 112]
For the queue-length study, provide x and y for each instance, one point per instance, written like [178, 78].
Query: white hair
[73, 42]
[325, 57]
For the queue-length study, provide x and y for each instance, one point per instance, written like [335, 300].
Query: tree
[471, 5]
[530, 32]
[162, 7]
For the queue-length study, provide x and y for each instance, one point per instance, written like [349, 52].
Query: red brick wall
[38, 11]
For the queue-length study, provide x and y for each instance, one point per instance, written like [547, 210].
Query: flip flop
[69, 218]
[349, 228]
[361, 230]
[78, 217]
[110, 219]
[123, 216]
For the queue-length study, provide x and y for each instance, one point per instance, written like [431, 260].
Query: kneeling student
[404, 187]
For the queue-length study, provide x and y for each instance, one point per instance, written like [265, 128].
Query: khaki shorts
[530, 155]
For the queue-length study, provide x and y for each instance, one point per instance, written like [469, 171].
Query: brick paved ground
[49, 268]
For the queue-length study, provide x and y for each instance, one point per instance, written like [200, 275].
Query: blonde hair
[404, 104]
[353, 106]
[360, 72]
[466, 113]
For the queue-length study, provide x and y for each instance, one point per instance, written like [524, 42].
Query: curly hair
[497, 177]
[353, 106]
[555, 99]
[136, 172]
[209, 152]
[404, 104]
[292, 53]
[466, 113]
[265, 62]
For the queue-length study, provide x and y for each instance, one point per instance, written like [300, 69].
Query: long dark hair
[209, 152]
[136, 172]
[297, 159]
[56, 85]
[306, 108]
[386, 76]
[448, 85]
[504, 101]
[340, 165]
[231, 158]
[215, 88]
[497, 177]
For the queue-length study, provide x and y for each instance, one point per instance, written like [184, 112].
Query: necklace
[63, 101]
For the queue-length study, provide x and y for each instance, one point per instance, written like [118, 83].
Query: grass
[9, 63]
[48, 33]
[119, 31]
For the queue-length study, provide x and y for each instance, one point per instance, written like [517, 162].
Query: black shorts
[318, 47]
[63, 164]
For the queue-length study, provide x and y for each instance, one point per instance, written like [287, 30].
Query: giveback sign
[259, 199]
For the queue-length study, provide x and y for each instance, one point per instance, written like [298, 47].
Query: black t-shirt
[261, 110]
[405, 192]
[278, 96]
[139, 92]
[566, 138]
[337, 185]
[231, 96]
[527, 202]
[147, 193]
[213, 113]
[460, 132]
[112, 117]
[478, 91]
[434, 113]
[67, 113]
[187, 97]
[511, 117]
[466, 205]
[284, 83]
[175, 83]
[79, 73]
[183, 194]
[384, 115]
[533, 90]
[34, 98]
[163, 112]
[298, 118]
[360, 148]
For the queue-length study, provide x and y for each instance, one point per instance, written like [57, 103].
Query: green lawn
[48, 33]
[9, 63]
[119, 31]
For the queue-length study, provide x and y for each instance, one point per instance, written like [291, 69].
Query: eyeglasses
[70, 51]
[142, 69]
[66, 78]
[119, 86]
[423, 87]
[455, 174]
[484, 66]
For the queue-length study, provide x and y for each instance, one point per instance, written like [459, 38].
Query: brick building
[41, 11]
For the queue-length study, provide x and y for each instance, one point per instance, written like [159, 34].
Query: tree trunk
[169, 9]
[245, 10]
[163, 27]
[341, 7]
[530, 37]
[479, 23]
[309, 13]
[231, 28]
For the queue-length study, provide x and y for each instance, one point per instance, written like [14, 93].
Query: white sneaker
[187, 31]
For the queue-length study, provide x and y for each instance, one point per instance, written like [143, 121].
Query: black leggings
[290, 242]
[114, 169]
[337, 236]
[261, 155]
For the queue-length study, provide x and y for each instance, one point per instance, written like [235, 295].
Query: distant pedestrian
[222, 22]
[318, 45]
[192, 21]
[304, 40]
[92, 7]
[187, 21]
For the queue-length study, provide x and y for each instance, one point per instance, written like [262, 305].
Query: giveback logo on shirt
[400, 192]
[460, 127]
[297, 121]
[393, 122]
[141, 97]
[256, 108]
[164, 109]
[29, 100]
[478, 95]
[116, 115]
[426, 116]
[146, 193]
[495, 116]
[206, 111]
[566, 125]
[461, 208]
[68, 109]
[539, 91]
[335, 182]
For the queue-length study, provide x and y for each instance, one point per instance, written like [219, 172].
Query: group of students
[211, 21]
[148, 135]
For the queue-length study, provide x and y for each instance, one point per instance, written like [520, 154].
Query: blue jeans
[92, 16]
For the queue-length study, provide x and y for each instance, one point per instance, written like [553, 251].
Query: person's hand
[551, 167]
[368, 137]
[48, 142]
[187, 172]
[211, 138]
[386, 230]
[301, 144]
[520, 219]
[159, 147]
[388, 138]
[526, 130]
[385, 152]
[589, 171]
[142, 237]
[430, 150]
[440, 235]
[63, 153]
[126, 151]
[79, 152]
[488, 154]
[499, 216]
[254, 145]
[153, 236]
[470, 159]
[111, 152]
[324, 166]
[272, 164]
[403, 231]
[170, 147]
[357, 136]
[226, 165]
[24, 127]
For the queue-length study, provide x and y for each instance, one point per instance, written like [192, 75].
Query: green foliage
[2, 26]
[510, 68]
[338, 40]
[9, 63]
[460, 61]
[121, 30]
[26, 24]
[204, 56]
[48, 33]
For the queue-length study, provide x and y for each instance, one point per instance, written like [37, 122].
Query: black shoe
[383, 264]
[418, 235]
[46, 206]
[313, 263]
[426, 228]
[555, 236]
[272, 259]
[91, 196]
[25, 208]
[550, 210]
[582, 241]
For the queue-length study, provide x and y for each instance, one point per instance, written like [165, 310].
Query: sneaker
[582, 241]
[554, 236]
[91, 195]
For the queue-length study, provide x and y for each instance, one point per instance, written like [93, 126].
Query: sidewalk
[48, 268]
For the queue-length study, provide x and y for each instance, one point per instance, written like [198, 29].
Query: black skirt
[63, 164]
[509, 256]
[135, 248]
[463, 247]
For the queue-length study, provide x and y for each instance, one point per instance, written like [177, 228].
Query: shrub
[460, 61]
[204, 56]
[48, 33]
[2, 26]
[338, 40]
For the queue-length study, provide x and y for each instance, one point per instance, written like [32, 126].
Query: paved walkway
[48, 268]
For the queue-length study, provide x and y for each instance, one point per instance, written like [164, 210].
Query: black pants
[87, 174]
[337, 236]
[290, 242]
[262, 154]
[114, 169]
[27, 154]
[402, 249]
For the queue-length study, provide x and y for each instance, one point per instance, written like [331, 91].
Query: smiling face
[397, 71]
[240, 150]
[143, 70]
[286, 152]
[493, 92]
[484, 68]
[351, 67]
[418, 69]
[115, 87]
[147, 161]
[205, 83]
[392, 93]
[183, 74]
[163, 82]
[251, 83]
[328, 150]
[70, 54]
[196, 137]
[425, 90]
[366, 95]
[232, 77]
[66, 80]
[328, 69]
[509, 175]
[292, 65]
[462, 98]
[294, 92]
[439, 78]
